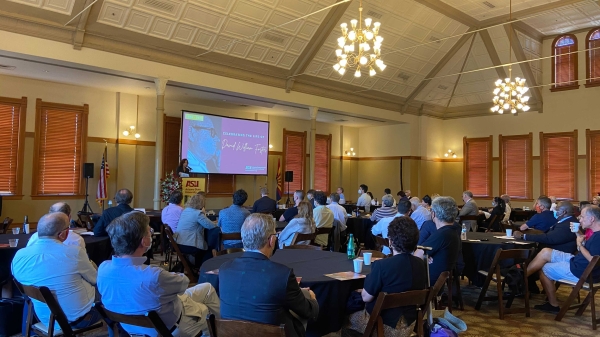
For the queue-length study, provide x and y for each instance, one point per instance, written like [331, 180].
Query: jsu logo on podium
[192, 184]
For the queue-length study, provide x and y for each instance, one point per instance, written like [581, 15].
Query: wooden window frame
[591, 178]
[328, 139]
[170, 120]
[575, 57]
[544, 173]
[588, 82]
[22, 103]
[529, 138]
[39, 106]
[219, 185]
[303, 159]
[466, 142]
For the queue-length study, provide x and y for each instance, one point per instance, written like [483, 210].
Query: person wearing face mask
[543, 220]
[499, 207]
[251, 302]
[144, 288]
[364, 199]
[310, 195]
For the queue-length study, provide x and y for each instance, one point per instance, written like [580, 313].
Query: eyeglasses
[213, 132]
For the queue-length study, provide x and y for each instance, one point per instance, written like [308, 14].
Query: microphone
[190, 168]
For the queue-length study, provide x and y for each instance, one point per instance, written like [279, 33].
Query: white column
[161, 84]
[313, 137]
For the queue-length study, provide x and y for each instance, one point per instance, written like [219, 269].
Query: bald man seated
[73, 238]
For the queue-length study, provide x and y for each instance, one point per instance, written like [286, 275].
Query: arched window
[592, 69]
[564, 70]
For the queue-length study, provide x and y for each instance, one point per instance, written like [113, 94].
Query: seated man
[364, 199]
[339, 212]
[381, 227]
[170, 215]
[123, 198]
[73, 238]
[388, 191]
[264, 204]
[232, 218]
[340, 192]
[310, 195]
[129, 287]
[291, 212]
[266, 297]
[559, 236]
[445, 241]
[419, 213]
[469, 208]
[323, 217]
[64, 269]
[386, 210]
[543, 220]
[555, 265]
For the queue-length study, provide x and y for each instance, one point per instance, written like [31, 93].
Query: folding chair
[86, 221]
[229, 236]
[148, 320]
[232, 328]
[517, 256]
[385, 301]
[587, 283]
[187, 270]
[382, 242]
[6, 224]
[319, 231]
[298, 237]
[451, 283]
[226, 251]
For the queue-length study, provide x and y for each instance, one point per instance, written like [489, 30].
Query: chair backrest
[7, 222]
[226, 251]
[303, 237]
[375, 253]
[149, 320]
[323, 230]
[232, 328]
[437, 287]
[186, 266]
[86, 221]
[517, 255]
[303, 247]
[44, 295]
[382, 242]
[229, 236]
[417, 298]
[587, 273]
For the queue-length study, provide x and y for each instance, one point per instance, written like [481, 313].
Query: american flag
[279, 181]
[104, 175]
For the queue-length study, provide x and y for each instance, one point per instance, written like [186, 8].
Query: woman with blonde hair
[190, 229]
[303, 223]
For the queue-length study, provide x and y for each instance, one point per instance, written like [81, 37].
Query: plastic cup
[509, 232]
[16, 230]
[13, 242]
[367, 258]
[299, 279]
[574, 227]
[358, 263]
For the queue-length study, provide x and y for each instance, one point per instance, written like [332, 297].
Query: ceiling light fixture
[359, 47]
[450, 153]
[509, 95]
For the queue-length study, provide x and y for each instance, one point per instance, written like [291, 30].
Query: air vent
[443, 87]
[403, 76]
[274, 38]
[489, 4]
[434, 39]
[375, 15]
[160, 5]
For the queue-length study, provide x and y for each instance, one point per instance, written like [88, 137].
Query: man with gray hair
[339, 212]
[64, 269]
[73, 238]
[386, 210]
[124, 197]
[270, 292]
[543, 220]
[291, 212]
[419, 213]
[469, 208]
[264, 204]
[130, 287]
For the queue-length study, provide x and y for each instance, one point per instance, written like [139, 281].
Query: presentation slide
[215, 144]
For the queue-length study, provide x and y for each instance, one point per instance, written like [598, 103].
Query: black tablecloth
[480, 255]
[361, 228]
[311, 265]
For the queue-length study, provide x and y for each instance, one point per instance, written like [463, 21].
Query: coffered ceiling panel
[485, 9]
[59, 6]
[567, 18]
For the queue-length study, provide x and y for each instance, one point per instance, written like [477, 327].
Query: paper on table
[505, 237]
[4, 245]
[213, 272]
[521, 243]
[87, 233]
[345, 275]
[474, 240]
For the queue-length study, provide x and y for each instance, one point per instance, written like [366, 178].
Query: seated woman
[399, 273]
[498, 211]
[303, 223]
[190, 229]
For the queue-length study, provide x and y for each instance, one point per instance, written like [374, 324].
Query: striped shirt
[383, 212]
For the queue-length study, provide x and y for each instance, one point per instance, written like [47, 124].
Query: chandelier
[359, 47]
[509, 95]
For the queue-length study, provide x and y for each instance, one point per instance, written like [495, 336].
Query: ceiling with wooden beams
[440, 62]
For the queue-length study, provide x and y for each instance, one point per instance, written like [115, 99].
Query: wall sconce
[131, 129]
[450, 153]
[270, 146]
[350, 153]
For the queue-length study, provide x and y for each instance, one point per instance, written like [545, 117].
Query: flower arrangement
[168, 185]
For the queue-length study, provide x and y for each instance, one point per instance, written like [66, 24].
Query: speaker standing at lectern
[183, 170]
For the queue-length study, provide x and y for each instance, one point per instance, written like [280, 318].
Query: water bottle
[463, 232]
[26, 225]
[109, 203]
[350, 250]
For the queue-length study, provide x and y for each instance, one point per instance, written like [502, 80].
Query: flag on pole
[279, 180]
[101, 193]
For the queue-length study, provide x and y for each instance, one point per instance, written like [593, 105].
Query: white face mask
[359, 191]
[149, 246]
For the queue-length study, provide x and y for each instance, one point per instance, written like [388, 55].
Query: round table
[361, 228]
[311, 265]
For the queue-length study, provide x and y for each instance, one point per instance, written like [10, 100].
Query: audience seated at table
[73, 238]
[190, 229]
[445, 241]
[381, 227]
[554, 265]
[232, 218]
[498, 210]
[428, 226]
[544, 219]
[340, 192]
[310, 195]
[339, 212]
[427, 201]
[419, 213]
[264, 204]
[507, 207]
[469, 208]
[559, 236]
[124, 197]
[65, 269]
[364, 200]
[270, 290]
[323, 217]
[553, 200]
[129, 287]
[596, 200]
[408, 194]
[170, 214]
[291, 212]
[402, 196]
[386, 192]
[303, 223]
[399, 273]
[386, 210]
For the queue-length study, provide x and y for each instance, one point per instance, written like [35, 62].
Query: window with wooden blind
[592, 69]
[322, 162]
[294, 156]
[516, 166]
[12, 145]
[171, 144]
[564, 63]
[477, 166]
[558, 163]
[59, 150]
[593, 161]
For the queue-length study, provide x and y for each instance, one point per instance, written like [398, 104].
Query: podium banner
[191, 186]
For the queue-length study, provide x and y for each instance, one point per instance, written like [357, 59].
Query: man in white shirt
[419, 213]
[73, 238]
[339, 212]
[364, 199]
[381, 228]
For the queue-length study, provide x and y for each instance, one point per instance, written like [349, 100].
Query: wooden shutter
[171, 145]
[564, 70]
[593, 58]
[516, 166]
[220, 185]
[477, 167]
[12, 146]
[322, 162]
[593, 160]
[60, 144]
[294, 156]
[558, 162]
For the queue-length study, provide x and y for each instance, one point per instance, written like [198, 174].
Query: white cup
[358, 265]
[509, 232]
[13, 242]
[16, 231]
[26, 228]
[574, 227]
[367, 258]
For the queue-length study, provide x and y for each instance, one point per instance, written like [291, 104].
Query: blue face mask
[555, 214]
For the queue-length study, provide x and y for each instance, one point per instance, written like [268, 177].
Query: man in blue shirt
[232, 218]
[123, 198]
[129, 287]
[419, 213]
[543, 220]
[340, 192]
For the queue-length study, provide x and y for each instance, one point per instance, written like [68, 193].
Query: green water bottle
[351, 254]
